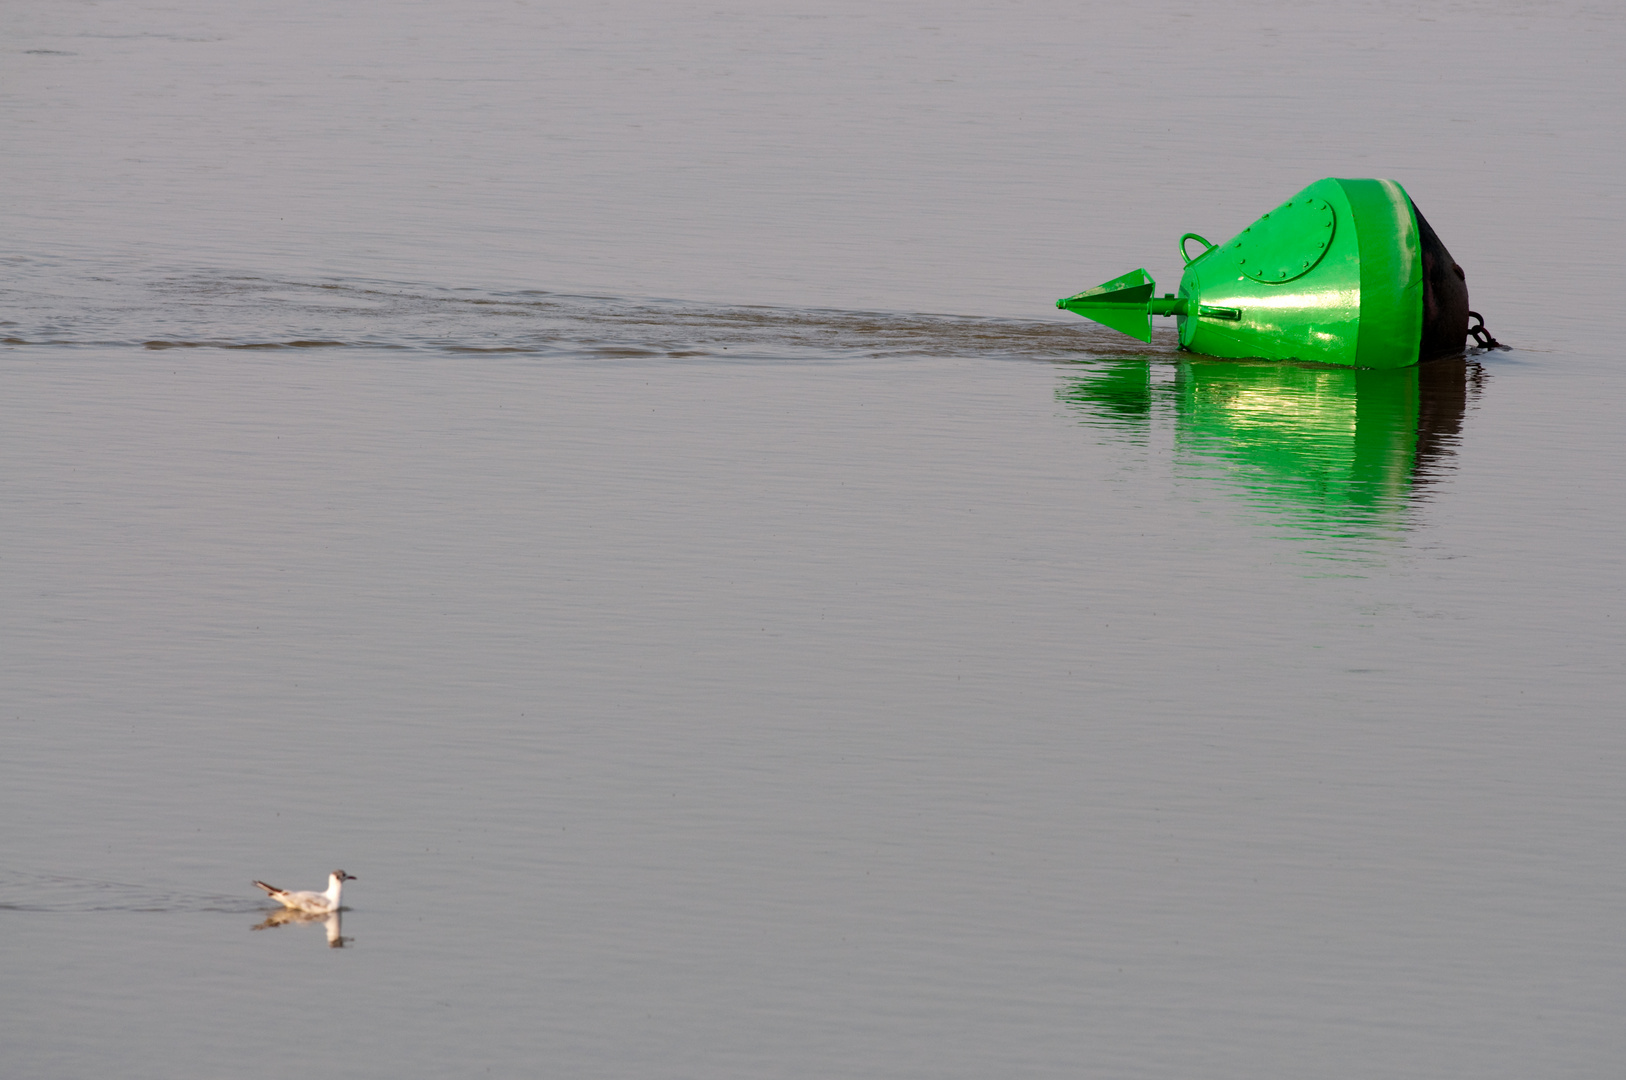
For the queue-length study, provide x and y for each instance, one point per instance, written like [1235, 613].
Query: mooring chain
[1482, 335]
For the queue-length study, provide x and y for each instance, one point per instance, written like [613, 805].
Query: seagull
[315, 903]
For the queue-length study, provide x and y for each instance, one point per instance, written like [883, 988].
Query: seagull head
[340, 875]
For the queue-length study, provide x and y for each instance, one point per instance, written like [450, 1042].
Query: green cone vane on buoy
[1345, 272]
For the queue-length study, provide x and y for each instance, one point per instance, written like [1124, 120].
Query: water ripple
[247, 312]
[60, 894]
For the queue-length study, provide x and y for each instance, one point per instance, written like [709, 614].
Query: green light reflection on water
[1336, 452]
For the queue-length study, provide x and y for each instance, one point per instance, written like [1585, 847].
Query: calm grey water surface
[497, 449]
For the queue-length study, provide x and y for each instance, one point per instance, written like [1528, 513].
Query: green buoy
[1345, 272]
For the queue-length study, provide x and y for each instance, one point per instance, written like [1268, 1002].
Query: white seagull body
[316, 903]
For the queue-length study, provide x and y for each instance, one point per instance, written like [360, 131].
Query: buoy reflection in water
[1335, 451]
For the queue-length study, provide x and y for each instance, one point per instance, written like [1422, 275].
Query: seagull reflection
[331, 922]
